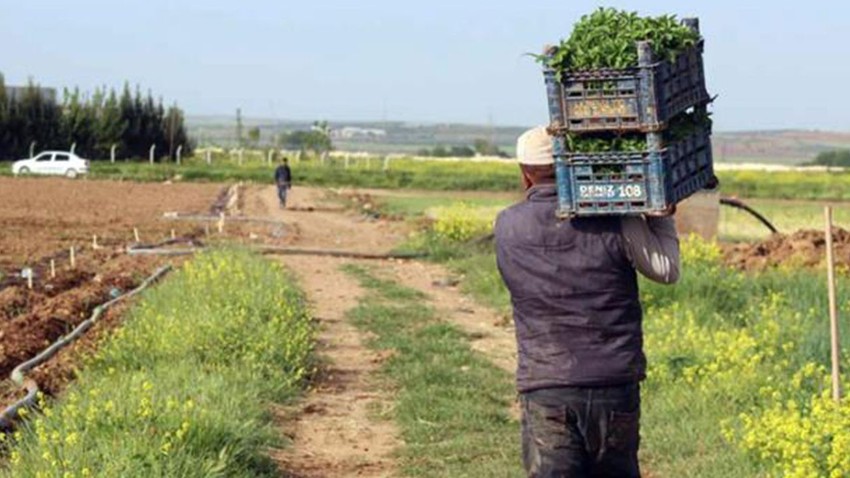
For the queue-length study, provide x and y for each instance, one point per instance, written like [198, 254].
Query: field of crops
[72, 237]
[184, 386]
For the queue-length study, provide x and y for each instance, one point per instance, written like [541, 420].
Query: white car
[60, 163]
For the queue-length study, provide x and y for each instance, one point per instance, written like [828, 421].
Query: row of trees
[480, 147]
[94, 123]
[316, 140]
[839, 158]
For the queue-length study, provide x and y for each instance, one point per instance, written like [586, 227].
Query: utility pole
[239, 127]
[171, 130]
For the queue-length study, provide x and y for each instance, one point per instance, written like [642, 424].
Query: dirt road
[340, 428]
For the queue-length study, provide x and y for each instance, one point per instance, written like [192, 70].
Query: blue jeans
[281, 192]
[577, 432]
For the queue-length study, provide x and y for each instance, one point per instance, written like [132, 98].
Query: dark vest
[574, 294]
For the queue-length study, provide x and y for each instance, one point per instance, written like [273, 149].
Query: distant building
[16, 93]
[352, 132]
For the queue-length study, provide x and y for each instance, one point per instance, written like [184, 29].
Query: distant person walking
[283, 179]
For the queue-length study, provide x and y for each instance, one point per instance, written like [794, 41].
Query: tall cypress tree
[110, 126]
[4, 120]
[78, 123]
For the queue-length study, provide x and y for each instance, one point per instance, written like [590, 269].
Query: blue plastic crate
[637, 99]
[592, 184]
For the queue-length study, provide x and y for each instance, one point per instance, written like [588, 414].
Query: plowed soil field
[40, 219]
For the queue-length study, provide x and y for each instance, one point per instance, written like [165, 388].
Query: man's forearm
[653, 246]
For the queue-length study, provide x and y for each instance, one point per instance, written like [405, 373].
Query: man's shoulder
[511, 212]
[513, 218]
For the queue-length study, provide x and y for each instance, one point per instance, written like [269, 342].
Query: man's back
[575, 296]
[283, 174]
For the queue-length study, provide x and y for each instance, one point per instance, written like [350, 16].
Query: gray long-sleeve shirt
[652, 246]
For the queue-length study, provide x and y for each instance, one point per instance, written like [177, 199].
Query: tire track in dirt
[482, 324]
[334, 430]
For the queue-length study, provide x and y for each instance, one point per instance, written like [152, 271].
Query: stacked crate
[639, 100]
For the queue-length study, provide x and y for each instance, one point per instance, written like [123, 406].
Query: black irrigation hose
[210, 218]
[337, 253]
[18, 376]
[738, 204]
[286, 251]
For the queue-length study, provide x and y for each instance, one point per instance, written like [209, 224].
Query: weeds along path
[336, 430]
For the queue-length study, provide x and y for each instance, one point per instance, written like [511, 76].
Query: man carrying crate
[578, 316]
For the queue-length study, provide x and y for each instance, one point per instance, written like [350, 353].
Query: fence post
[112, 153]
[179, 151]
[833, 308]
[386, 163]
[152, 152]
[209, 157]
[32, 148]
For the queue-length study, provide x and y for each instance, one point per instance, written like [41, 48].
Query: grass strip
[452, 405]
[183, 388]
[458, 176]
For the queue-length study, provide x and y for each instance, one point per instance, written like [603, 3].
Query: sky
[773, 64]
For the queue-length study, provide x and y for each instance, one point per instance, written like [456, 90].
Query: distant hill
[779, 147]
[773, 147]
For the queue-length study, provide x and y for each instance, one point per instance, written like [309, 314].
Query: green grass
[786, 216]
[786, 185]
[451, 404]
[417, 206]
[184, 387]
[402, 173]
[733, 225]
[455, 175]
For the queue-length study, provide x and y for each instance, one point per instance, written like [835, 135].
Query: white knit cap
[534, 147]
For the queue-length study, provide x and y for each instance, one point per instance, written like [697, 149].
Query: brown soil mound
[805, 248]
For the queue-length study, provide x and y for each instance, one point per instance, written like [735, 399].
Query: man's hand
[671, 210]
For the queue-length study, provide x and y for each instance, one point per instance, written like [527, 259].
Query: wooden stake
[833, 309]
[73, 258]
[173, 236]
[221, 223]
[136, 234]
[94, 242]
[29, 279]
[52, 268]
